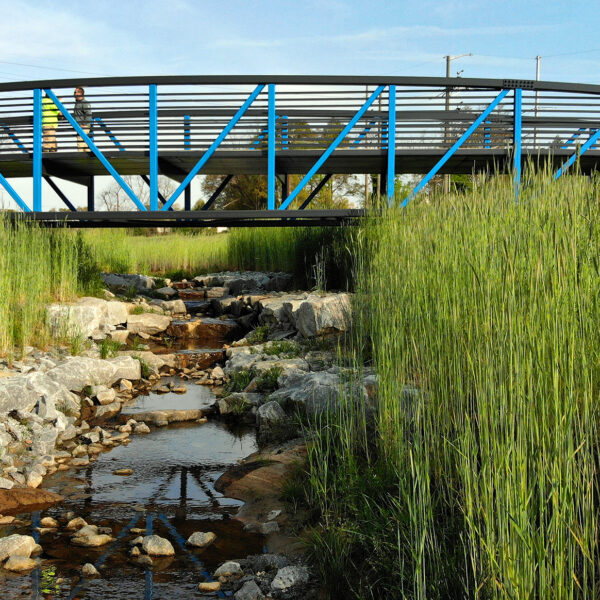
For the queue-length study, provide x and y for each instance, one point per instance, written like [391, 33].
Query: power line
[5, 62]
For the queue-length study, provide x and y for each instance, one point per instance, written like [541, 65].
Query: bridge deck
[280, 125]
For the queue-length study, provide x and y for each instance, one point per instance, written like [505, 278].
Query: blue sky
[48, 40]
[132, 37]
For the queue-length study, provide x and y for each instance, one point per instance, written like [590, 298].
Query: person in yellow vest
[50, 115]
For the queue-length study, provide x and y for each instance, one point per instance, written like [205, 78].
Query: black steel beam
[160, 196]
[450, 82]
[91, 195]
[319, 187]
[59, 192]
[217, 192]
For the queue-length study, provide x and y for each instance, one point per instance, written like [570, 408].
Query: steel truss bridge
[182, 126]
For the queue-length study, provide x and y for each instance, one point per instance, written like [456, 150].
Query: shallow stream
[170, 493]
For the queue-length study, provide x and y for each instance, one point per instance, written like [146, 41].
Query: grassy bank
[313, 255]
[38, 266]
[477, 476]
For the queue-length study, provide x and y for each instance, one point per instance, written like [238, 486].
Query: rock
[69, 320]
[149, 323]
[138, 541]
[270, 414]
[92, 437]
[16, 545]
[228, 569]
[89, 570]
[179, 389]
[86, 531]
[126, 367]
[6, 484]
[316, 392]
[20, 563]
[79, 450]
[200, 539]
[34, 479]
[144, 561]
[135, 551]
[49, 522]
[123, 472]
[209, 586]
[166, 292]
[141, 428]
[77, 372]
[125, 385]
[175, 307]
[123, 282]
[249, 591]
[217, 373]
[76, 523]
[46, 409]
[157, 546]
[192, 295]
[105, 395]
[288, 577]
[320, 315]
[26, 499]
[6, 520]
[273, 515]
[92, 541]
[108, 410]
[155, 362]
[164, 417]
[268, 528]
[204, 329]
[120, 336]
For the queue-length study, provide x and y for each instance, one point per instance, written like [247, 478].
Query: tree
[114, 197]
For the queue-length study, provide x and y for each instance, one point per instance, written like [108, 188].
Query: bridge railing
[288, 116]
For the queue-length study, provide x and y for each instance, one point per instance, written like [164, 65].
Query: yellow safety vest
[50, 113]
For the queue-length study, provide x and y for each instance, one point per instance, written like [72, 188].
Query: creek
[170, 493]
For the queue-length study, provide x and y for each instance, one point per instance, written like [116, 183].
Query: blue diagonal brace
[84, 136]
[210, 151]
[9, 188]
[590, 142]
[14, 138]
[332, 147]
[109, 133]
[461, 140]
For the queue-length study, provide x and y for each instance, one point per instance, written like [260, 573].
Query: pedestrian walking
[50, 114]
[82, 112]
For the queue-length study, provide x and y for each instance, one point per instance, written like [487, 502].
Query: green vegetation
[239, 381]
[258, 335]
[108, 348]
[145, 367]
[282, 348]
[477, 475]
[267, 382]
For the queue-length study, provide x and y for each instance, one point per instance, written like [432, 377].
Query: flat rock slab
[201, 360]
[18, 500]
[204, 329]
[192, 294]
[163, 417]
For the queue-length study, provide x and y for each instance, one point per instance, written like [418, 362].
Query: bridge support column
[517, 140]
[187, 198]
[90, 195]
[37, 150]
[271, 150]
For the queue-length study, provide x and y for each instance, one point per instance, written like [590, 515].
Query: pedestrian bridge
[183, 126]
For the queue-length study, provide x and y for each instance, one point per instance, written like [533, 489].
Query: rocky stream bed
[157, 472]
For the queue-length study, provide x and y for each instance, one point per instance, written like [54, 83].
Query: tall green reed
[477, 476]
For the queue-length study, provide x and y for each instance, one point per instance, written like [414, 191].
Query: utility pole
[538, 61]
[449, 60]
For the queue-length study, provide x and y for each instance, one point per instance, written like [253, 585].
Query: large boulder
[149, 323]
[123, 282]
[77, 372]
[155, 362]
[318, 315]
[314, 391]
[16, 545]
[176, 307]
[204, 329]
[153, 545]
[68, 320]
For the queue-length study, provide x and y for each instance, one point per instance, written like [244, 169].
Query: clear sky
[42, 39]
[133, 37]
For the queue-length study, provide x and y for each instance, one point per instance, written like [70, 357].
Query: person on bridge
[50, 114]
[82, 112]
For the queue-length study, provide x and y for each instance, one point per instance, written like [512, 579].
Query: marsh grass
[477, 475]
[38, 266]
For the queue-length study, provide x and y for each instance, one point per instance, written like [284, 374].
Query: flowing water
[170, 493]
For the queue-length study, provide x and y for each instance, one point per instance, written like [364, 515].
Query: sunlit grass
[477, 476]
